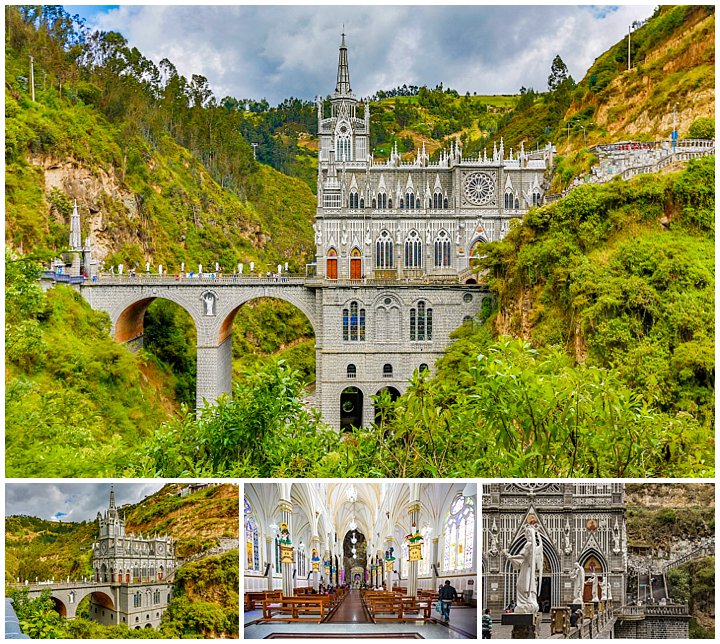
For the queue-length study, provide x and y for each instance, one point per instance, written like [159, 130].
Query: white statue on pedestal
[529, 563]
[578, 575]
[595, 582]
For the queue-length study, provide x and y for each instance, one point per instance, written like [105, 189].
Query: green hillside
[205, 600]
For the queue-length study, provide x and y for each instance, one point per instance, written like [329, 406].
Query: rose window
[479, 188]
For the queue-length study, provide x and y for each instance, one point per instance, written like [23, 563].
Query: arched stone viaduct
[386, 357]
[139, 605]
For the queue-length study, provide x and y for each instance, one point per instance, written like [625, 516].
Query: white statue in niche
[209, 301]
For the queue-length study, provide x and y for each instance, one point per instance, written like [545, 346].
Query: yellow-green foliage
[72, 393]
[622, 274]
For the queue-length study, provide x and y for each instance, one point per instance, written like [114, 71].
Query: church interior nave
[360, 559]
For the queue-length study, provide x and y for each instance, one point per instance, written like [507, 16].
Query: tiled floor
[350, 620]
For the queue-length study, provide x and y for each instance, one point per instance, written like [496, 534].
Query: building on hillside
[137, 566]
[394, 246]
[396, 219]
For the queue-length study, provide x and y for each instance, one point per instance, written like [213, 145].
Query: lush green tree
[702, 128]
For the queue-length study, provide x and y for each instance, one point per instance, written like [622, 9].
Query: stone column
[390, 565]
[269, 559]
[434, 549]
[315, 543]
[214, 371]
[286, 511]
[414, 512]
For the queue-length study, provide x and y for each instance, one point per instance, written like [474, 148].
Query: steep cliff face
[673, 68]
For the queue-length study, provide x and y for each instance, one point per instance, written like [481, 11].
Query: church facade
[394, 246]
[137, 566]
[577, 522]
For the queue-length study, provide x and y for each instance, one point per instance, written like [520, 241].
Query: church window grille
[442, 250]
[252, 540]
[354, 323]
[343, 148]
[420, 323]
[387, 371]
[384, 251]
[331, 200]
[459, 536]
[413, 251]
[351, 371]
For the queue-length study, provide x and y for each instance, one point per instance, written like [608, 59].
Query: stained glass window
[252, 540]
[459, 535]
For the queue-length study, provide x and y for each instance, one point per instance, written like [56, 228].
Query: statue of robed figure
[529, 564]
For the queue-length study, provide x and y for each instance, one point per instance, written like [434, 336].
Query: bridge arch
[228, 311]
[129, 323]
[59, 606]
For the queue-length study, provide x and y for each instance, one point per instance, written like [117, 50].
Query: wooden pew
[399, 608]
[292, 609]
[259, 596]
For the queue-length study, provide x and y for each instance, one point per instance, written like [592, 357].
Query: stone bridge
[371, 334]
[139, 605]
[212, 304]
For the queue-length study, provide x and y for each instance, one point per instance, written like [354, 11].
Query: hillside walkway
[628, 159]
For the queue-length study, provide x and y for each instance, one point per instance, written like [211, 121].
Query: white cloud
[73, 502]
[281, 51]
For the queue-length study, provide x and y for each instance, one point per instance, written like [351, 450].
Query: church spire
[112, 497]
[75, 241]
[343, 75]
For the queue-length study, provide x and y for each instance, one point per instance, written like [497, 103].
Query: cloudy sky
[274, 52]
[71, 501]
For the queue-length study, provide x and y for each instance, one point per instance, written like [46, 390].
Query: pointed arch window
[420, 323]
[413, 250]
[384, 251]
[536, 199]
[445, 203]
[252, 540]
[459, 536]
[342, 146]
[438, 200]
[354, 201]
[442, 250]
[354, 322]
[517, 203]
[382, 201]
[509, 200]
[410, 199]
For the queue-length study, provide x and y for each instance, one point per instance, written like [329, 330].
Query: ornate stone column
[315, 545]
[414, 512]
[286, 511]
